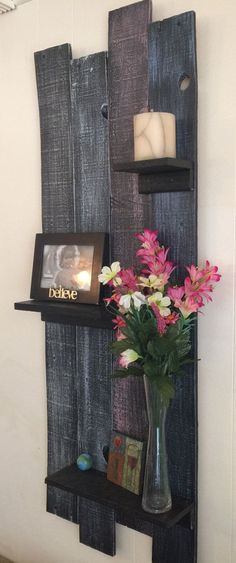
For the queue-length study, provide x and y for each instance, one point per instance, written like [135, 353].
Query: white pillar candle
[154, 135]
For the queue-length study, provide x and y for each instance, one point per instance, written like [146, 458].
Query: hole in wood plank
[184, 82]
[105, 452]
[104, 110]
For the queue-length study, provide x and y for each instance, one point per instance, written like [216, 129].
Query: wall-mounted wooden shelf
[80, 192]
[95, 316]
[160, 175]
[93, 485]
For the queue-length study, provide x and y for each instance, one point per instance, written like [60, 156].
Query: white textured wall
[27, 533]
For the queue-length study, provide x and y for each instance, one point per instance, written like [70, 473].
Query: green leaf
[166, 388]
[150, 368]
[120, 346]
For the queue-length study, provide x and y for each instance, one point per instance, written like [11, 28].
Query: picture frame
[66, 267]
[126, 462]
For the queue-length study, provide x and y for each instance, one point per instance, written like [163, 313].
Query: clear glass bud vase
[156, 489]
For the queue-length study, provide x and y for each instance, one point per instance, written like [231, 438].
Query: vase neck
[156, 407]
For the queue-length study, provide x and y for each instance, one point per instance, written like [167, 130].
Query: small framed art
[66, 267]
[126, 462]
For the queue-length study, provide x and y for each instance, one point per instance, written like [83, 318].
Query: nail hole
[104, 110]
[105, 452]
[184, 82]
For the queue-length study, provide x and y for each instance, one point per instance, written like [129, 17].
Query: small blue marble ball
[84, 462]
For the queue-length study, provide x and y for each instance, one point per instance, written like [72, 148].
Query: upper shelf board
[95, 316]
[153, 166]
[160, 175]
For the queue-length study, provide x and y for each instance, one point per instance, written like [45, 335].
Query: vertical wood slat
[92, 213]
[130, 212]
[97, 527]
[172, 55]
[53, 83]
[171, 545]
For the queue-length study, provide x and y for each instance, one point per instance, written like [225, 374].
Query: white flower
[155, 282]
[109, 274]
[137, 297]
[161, 302]
[125, 301]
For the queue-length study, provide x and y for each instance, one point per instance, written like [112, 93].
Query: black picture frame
[66, 267]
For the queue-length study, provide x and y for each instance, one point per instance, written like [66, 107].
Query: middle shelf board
[160, 175]
[94, 485]
[94, 316]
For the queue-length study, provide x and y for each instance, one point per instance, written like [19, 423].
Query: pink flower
[162, 255]
[210, 272]
[189, 305]
[172, 318]
[199, 288]
[128, 279]
[195, 273]
[114, 297]
[148, 238]
[175, 293]
[155, 267]
[120, 335]
[119, 322]
[161, 324]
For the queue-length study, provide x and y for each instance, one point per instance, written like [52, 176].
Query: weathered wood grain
[130, 212]
[53, 82]
[172, 55]
[92, 213]
[171, 545]
[96, 529]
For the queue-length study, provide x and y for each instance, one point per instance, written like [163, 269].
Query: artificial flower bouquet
[154, 318]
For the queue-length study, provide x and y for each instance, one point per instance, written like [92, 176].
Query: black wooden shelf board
[93, 485]
[153, 166]
[83, 315]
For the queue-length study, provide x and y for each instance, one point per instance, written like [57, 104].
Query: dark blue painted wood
[176, 544]
[130, 212]
[53, 82]
[92, 213]
[172, 55]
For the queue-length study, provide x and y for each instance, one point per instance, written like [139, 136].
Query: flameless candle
[83, 279]
[154, 135]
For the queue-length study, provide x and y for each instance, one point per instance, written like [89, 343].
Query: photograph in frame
[66, 267]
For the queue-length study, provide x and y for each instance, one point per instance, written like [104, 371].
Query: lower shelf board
[93, 485]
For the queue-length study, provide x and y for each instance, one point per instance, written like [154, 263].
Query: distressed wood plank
[130, 212]
[172, 55]
[96, 529]
[174, 544]
[172, 52]
[53, 83]
[92, 213]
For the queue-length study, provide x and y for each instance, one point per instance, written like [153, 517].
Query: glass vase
[156, 489]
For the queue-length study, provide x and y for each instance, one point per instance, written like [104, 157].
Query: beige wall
[27, 533]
